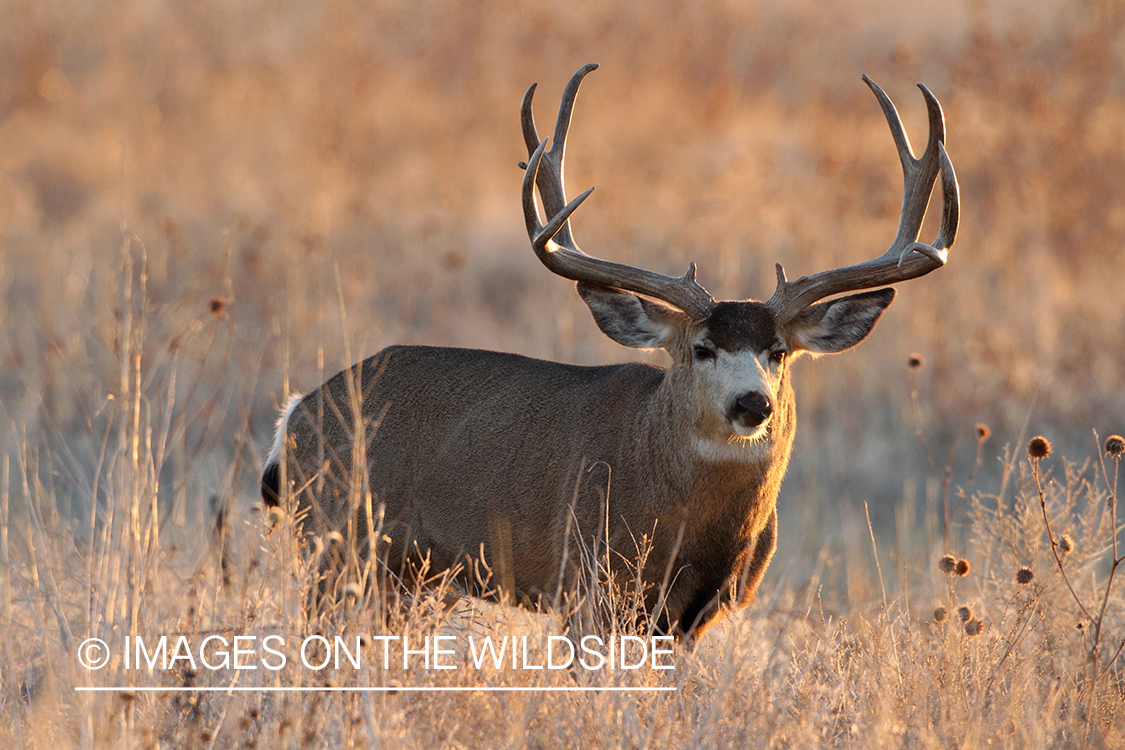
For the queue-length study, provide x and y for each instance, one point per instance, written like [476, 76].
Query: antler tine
[918, 174]
[906, 258]
[951, 203]
[550, 180]
[553, 243]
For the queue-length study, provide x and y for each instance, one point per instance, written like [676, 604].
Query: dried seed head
[915, 361]
[1115, 446]
[276, 515]
[335, 539]
[317, 546]
[352, 591]
[947, 564]
[962, 568]
[1024, 576]
[983, 432]
[1038, 448]
[218, 304]
[964, 613]
[974, 627]
[941, 614]
[1066, 544]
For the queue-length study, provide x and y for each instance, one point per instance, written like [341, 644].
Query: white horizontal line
[380, 689]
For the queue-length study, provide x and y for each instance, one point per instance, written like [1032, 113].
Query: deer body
[478, 457]
[516, 503]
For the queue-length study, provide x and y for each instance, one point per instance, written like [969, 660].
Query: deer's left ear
[838, 324]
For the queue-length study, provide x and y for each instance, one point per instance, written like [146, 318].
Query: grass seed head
[964, 613]
[947, 564]
[962, 568]
[1024, 576]
[1115, 446]
[1038, 448]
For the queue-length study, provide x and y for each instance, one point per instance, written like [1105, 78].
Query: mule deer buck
[440, 459]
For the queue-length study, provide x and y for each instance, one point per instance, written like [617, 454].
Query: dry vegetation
[205, 205]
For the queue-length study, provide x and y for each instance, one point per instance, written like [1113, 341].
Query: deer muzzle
[749, 411]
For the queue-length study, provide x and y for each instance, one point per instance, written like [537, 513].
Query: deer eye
[777, 357]
[703, 353]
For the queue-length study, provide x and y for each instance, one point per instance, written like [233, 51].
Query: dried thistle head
[1066, 544]
[962, 568]
[1024, 576]
[941, 614]
[964, 613]
[335, 539]
[947, 564]
[915, 361]
[352, 590]
[218, 305]
[276, 515]
[1115, 446]
[983, 432]
[974, 627]
[1038, 448]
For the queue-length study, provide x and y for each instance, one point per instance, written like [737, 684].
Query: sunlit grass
[205, 209]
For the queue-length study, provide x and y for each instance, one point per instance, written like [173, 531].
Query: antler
[553, 243]
[906, 258]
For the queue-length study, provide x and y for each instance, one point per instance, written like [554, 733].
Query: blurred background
[205, 205]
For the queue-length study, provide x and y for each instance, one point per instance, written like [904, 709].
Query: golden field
[206, 206]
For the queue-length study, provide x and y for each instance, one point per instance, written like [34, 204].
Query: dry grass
[204, 207]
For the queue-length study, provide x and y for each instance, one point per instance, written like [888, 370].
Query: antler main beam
[906, 258]
[553, 242]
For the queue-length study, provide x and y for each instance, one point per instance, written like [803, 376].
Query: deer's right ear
[631, 320]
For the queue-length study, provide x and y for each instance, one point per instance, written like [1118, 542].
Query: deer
[446, 459]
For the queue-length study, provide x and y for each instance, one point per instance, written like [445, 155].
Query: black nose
[752, 409]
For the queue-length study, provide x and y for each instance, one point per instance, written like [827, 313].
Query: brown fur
[483, 456]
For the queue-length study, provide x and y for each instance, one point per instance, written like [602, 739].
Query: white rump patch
[282, 426]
